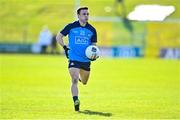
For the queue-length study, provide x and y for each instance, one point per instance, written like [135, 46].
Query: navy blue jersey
[80, 37]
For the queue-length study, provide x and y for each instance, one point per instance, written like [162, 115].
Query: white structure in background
[151, 12]
[44, 40]
[45, 37]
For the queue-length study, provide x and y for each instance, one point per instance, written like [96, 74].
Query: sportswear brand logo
[74, 31]
[81, 40]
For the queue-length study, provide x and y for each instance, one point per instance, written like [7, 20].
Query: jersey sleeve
[94, 37]
[66, 30]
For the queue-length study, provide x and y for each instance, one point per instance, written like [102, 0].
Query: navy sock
[75, 98]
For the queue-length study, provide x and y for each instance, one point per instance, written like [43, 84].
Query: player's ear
[78, 15]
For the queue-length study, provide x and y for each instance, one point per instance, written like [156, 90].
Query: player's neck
[82, 23]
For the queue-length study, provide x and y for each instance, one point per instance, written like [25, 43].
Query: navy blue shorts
[80, 65]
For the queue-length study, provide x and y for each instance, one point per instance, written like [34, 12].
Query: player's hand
[94, 58]
[66, 49]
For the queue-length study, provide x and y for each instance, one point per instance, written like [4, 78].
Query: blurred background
[22, 21]
[136, 77]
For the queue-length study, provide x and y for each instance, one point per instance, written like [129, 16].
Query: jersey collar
[81, 25]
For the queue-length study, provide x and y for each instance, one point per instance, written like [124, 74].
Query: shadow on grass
[90, 112]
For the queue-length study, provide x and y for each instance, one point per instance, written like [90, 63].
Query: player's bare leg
[74, 72]
[84, 76]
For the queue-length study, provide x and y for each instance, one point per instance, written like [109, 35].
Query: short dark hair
[81, 8]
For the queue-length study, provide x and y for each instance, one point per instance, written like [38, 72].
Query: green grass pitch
[38, 87]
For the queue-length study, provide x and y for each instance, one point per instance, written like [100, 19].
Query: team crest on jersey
[82, 32]
[89, 35]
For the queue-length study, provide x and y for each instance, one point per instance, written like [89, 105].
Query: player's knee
[75, 80]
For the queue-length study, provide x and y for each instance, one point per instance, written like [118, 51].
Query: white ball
[92, 52]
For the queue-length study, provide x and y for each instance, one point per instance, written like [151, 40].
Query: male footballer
[80, 35]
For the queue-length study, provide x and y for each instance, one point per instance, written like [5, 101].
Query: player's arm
[60, 36]
[93, 43]
[60, 40]
[94, 37]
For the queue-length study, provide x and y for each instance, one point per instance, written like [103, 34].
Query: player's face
[83, 16]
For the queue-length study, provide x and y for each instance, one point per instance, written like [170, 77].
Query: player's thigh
[74, 72]
[84, 75]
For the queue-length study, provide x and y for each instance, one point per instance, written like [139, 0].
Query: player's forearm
[93, 43]
[59, 39]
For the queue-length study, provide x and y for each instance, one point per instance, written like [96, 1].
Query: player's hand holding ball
[92, 52]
